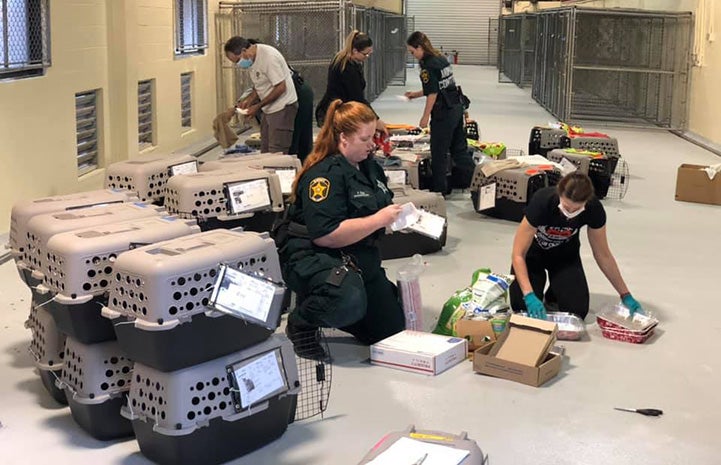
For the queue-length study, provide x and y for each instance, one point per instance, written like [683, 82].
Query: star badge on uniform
[425, 77]
[319, 188]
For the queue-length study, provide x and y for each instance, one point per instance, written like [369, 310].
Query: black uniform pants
[567, 281]
[302, 142]
[365, 304]
[448, 134]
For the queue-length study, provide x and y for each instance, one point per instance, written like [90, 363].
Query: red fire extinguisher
[455, 56]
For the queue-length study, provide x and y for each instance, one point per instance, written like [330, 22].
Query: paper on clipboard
[567, 167]
[396, 176]
[259, 379]
[429, 224]
[286, 177]
[410, 451]
[249, 195]
[245, 295]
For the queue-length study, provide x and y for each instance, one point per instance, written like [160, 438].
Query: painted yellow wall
[107, 45]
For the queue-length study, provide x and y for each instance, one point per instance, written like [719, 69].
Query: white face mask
[570, 215]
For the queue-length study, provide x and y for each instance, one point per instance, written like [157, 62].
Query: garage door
[461, 25]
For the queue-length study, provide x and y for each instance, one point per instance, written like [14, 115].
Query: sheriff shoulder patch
[319, 189]
[425, 77]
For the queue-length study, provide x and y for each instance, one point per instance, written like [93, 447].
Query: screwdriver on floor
[649, 412]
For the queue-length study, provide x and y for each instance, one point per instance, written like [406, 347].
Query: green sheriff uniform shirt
[333, 191]
[437, 78]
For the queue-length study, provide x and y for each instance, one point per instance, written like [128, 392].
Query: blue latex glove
[632, 304]
[534, 306]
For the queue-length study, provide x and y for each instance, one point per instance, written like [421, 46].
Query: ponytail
[339, 118]
[355, 40]
[419, 39]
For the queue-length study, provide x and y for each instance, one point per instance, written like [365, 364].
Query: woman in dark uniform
[345, 76]
[340, 208]
[444, 109]
[547, 242]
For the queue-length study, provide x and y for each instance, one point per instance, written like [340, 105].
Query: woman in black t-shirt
[345, 76]
[547, 242]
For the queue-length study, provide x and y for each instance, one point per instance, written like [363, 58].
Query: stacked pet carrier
[286, 167]
[595, 154]
[246, 197]
[147, 175]
[410, 162]
[196, 314]
[47, 345]
[506, 193]
[406, 243]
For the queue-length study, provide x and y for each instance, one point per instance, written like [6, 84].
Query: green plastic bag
[452, 310]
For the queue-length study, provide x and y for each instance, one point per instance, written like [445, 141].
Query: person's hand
[389, 214]
[381, 127]
[534, 306]
[410, 95]
[631, 304]
[424, 122]
[252, 110]
[230, 112]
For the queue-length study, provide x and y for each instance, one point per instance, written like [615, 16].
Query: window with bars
[191, 27]
[186, 104]
[145, 114]
[86, 130]
[24, 38]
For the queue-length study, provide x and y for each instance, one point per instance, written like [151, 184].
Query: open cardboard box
[521, 353]
[694, 185]
[475, 332]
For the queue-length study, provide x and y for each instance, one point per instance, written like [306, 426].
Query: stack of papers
[406, 451]
[420, 221]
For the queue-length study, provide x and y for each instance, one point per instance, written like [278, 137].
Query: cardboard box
[426, 353]
[521, 353]
[475, 332]
[694, 185]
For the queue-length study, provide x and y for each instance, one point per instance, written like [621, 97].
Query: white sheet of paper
[251, 195]
[403, 98]
[409, 216]
[259, 379]
[190, 167]
[245, 294]
[396, 176]
[567, 167]
[429, 224]
[405, 155]
[487, 197]
[407, 451]
[286, 176]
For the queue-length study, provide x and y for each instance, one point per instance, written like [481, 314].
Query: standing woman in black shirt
[444, 110]
[547, 241]
[345, 76]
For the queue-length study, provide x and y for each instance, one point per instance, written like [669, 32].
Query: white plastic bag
[409, 288]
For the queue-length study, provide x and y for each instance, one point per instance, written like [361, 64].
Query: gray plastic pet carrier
[420, 437]
[47, 349]
[417, 173]
[218, 410]
[597, 166]
[244, 197]
[41, 228]
[159, 298]
[543, 139]
[24, 211]
[406, 243]
[147, 175]
[79, 265]
[606, 145]
[96, 379]
[514, 189]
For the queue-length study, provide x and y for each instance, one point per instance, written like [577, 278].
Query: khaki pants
[276, 129]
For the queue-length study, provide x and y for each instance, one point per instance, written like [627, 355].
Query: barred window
[191, 27]
[186, 103]
[86, 130]
[145, 114]
[24, 38]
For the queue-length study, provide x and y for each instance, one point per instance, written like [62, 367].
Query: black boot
[306, 341]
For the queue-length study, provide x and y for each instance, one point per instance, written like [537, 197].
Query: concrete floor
[669, 255]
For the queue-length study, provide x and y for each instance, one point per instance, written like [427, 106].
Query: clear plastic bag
[409, 288]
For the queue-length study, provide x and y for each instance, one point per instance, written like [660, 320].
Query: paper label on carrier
[246, 295]
[259, 379]
[249, 196]
[429, 224]
[487, 197]
[567, 167]
[396, 176]
[286, 177]
[190, 167]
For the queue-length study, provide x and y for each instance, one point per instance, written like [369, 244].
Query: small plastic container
[409, 289]
[617, 324]
[570, 326]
